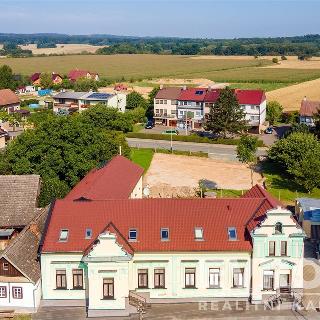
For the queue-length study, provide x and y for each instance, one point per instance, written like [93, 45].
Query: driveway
[183, 311]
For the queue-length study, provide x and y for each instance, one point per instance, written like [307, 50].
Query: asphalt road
[218, 151]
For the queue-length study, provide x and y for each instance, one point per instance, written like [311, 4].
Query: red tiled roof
[211, 95]
[76, 74]
[35, 76]
[55, 75]
[269, 202]
[115, 180]
[8, 97]
[309, 108]
[170, 93]
[148, 216]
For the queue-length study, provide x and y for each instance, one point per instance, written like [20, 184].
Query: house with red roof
[36, 78]
[188, 106]
[9, 101]
[307, 112]
[110, 253]
[77, 74]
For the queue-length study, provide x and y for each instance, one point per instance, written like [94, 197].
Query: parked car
[269, 130]
[174, 132]
[149, 125]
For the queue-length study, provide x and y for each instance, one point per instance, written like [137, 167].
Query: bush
[191, 138]
[275, 60]
[283, 58]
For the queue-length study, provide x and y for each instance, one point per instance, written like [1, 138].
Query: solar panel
[100, 96]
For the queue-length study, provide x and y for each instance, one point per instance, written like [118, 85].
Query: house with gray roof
[21, 226]
[307, 211]
[68, 102]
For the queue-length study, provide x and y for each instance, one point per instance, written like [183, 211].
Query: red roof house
[309, 108]
[115, 180]
[76, 74]
[9, 100]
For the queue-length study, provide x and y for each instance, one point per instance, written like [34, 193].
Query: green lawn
[282, 186]
[224, 193]
[142, 157]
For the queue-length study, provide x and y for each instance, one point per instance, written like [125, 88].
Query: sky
[174, 18]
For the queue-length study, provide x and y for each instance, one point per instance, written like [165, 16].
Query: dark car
[269, 130]
[149, 125]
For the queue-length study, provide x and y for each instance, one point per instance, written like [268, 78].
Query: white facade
[277, 255]
[19, 293]
[137, 191]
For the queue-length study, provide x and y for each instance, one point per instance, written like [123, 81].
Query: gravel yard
[175, 175]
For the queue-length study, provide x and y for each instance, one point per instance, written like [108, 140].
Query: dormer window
[133, 234]
[278, 228]
[88, 233]
[64, 233]
[164, 233]
[198, 233]
[232, 233]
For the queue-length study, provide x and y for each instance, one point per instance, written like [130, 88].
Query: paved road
[218, 151]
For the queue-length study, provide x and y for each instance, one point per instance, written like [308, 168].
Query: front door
[284, 282]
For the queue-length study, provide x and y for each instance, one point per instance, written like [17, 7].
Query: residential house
[9, 101]
[104, 253]
[188, 106]
[68, 101]
[36, 78]
[77, 74]
[26, 90]
[21, 227]
[307, 111]
[307, 211]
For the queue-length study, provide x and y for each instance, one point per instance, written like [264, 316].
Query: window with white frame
[232, 233]
[3, 292]
[64, 233]
[61, 279]
[198, 233]
[5, 266]
[164, 233]
[17, 292]
[268, 279]
[214, 277]
[133, 234]
[190, 277]
[238, 277]
[88, 233]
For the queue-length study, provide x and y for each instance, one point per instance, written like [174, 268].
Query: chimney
[184, 88]
[161, 86]
[209, 88]
[305, 98]
[35, 230]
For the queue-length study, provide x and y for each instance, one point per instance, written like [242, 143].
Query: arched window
[278, 228]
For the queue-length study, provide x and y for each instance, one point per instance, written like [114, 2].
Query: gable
[11, 270]
[107, 246]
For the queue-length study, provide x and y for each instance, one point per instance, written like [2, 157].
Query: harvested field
[290, 97]
[178, 176]
[129, 67]
[62, 48]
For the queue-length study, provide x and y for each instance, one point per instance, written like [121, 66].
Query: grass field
[282, 187]
[267, 86]
[142, 157]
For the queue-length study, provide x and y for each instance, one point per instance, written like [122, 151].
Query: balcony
[165, 116]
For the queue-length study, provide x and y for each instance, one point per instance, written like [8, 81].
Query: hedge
[191, 138]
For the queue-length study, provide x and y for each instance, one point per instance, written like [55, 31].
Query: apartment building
[184, 106]
[112, 254]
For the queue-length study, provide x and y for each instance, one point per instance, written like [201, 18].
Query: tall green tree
[135, 100]
[6, 78]
[152, 95]
[274, 112]
[299, 155]
[62, 150]
[46, 80]
[246, 152]
[84, 84]
[226, 116]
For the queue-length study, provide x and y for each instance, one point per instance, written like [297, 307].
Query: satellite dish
[146, 191]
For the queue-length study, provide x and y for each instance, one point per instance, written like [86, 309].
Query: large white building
[181, 106]
[110, 253]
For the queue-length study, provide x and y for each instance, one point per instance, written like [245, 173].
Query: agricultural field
[62, 48]
[131, 67]
[290, 97]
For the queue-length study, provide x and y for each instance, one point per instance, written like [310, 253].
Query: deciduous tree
[274, 112]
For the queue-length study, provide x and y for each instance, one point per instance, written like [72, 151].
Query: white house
[68, 101]
[109, 253]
